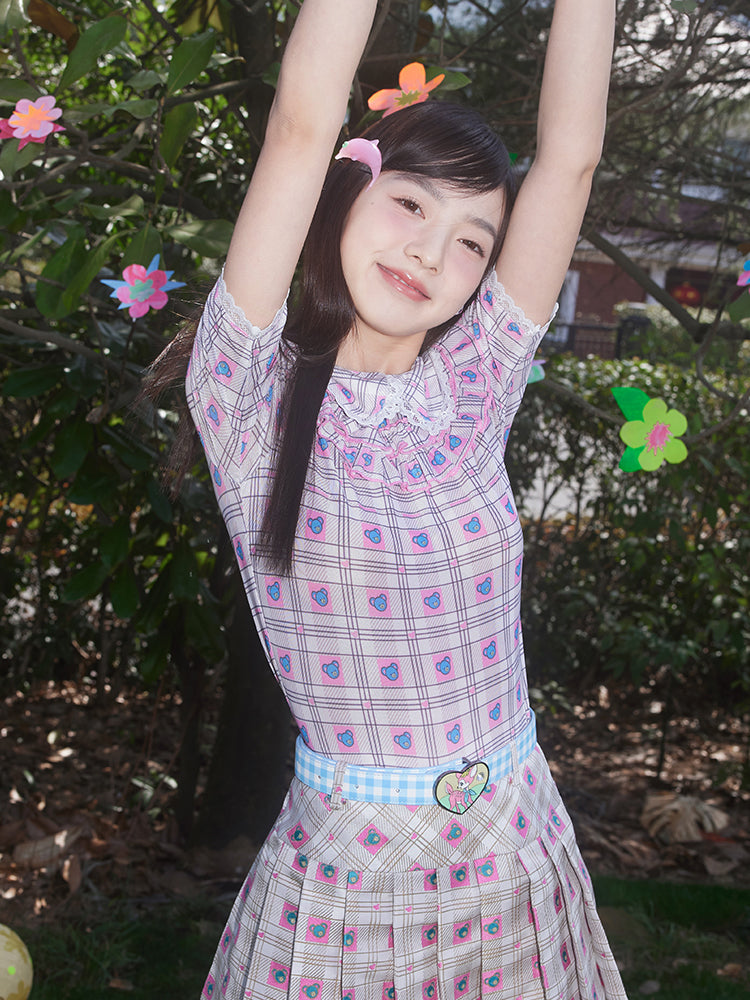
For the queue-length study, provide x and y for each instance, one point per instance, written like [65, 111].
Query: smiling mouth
[404, 283]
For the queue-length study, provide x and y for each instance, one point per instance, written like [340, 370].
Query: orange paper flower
[414, 89]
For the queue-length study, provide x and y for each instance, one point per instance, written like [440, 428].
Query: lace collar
[422, 396]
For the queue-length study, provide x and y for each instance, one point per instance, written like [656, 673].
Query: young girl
[357, 454]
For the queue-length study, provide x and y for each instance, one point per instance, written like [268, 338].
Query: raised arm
[321, 58]
[549, 210]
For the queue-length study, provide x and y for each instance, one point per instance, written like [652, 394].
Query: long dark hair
[444, 142]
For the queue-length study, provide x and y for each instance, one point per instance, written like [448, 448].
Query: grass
[676, 936]
[693, 941]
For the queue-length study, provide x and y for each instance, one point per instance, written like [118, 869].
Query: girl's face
[413, 252]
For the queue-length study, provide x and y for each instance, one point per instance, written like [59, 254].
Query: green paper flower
[656, 435]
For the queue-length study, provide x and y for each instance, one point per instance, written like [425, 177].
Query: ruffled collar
[422, 396]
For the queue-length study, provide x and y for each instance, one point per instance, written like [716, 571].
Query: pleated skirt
[362, 901]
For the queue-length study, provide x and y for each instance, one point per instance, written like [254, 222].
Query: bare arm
[547, 216]
[321, 58]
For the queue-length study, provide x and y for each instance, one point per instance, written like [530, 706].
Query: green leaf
[13, 15]
[115, 543]
[629, 461]
[13, 91]
[453, 79]
[179, 125]
[123, 592]
[72, 444]
[87, 583]
[209, 237]
[631, 401]
[13, 159]
[204, 632]
[134, 205]
[93, 263]
[51, 300]
[28, 382]
[184, 576]
[740, 308]
[100, 38]
[144, 79]
[8, 211]
[143, 247]
[160, 505]
[156, 658]
[140, 108]
[189, 60]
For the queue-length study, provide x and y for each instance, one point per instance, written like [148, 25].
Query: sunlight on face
[413, 252]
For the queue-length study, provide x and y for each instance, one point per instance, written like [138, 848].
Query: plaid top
[397, 639]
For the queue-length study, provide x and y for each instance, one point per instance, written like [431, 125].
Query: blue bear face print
[286, 663]
[348, 939]
[433, 601]
[240, 551]
[346, 738]
[463, 931]
[493, 980]
[213, 414]
[291, 917]
[353, 878]
[416, 471]
[421, 540]
[455, 734]
[455, 832]
[315, 524]
[403, 740]
[390, 672]
[473, 526]
[488, 298]
[469, 375]
[280, 975]
[346, 393]
[486, 869]
[495, 712]
[374, 535]
[509, 507]
[372, 838]
[319, 930]
[380, 603]
[269, 395]
[490, 651]
[485, 586]
[514, 328]
[312, 992]
[438, 458]
[274, 591]
[223, 369]
[350, 455]
[444, 666]
[217, 477]
[476, 330]
[389, 993]
[367, 459]
[462, 986]
[332, 669]
[430, 991]
[320, 597]
[454, 441]
[323, 442]
[460, 874]
[328, 871]
[492, 928]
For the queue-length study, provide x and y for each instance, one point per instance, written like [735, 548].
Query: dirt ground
[85, 795]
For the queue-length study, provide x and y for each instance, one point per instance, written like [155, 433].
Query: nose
[428, 247]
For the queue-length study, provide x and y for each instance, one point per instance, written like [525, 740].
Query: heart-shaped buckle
[457, 791]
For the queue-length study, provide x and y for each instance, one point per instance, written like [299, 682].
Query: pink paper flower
[32, 121]
[414, 89]
[744, 278]
[143, 288]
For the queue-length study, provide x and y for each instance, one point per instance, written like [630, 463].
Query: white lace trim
[237, 315]
[515, 312]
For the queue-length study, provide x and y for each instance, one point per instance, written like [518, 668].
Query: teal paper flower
[652, 432]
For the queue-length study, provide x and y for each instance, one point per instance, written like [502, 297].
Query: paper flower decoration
[652, 432]
[744, 278]
[143, 288]
[537, 371]
[414, 89]
[32, 121]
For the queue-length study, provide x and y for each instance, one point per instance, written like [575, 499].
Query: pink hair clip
[363, 151]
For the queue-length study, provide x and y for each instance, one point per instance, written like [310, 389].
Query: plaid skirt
[363, 901]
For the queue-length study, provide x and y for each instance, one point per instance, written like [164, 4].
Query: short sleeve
[500, 337]
[231, 382]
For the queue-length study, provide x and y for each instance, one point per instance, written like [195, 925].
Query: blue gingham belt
[405, 785]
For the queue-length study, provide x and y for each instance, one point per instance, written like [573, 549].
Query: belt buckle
[457, 791]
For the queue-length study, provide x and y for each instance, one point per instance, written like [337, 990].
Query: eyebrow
[434, 191]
